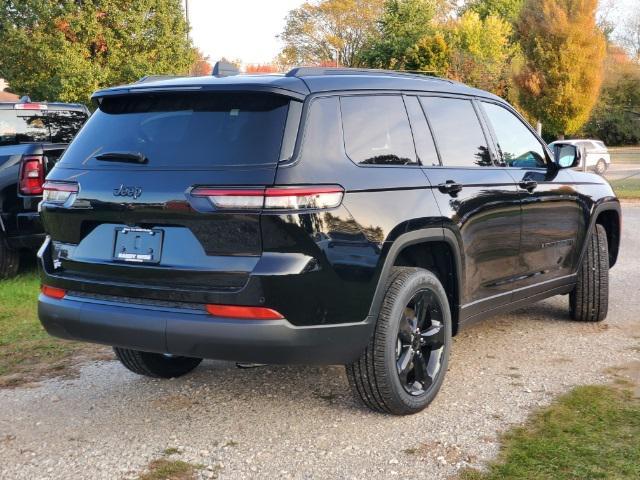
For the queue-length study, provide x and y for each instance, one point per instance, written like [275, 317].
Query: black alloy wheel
[402, 368]
[420, 344]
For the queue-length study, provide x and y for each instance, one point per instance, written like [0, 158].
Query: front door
[551, 215]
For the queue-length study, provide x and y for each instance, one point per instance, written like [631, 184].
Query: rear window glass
[28, 126]
[377, 131]
[457, 131]
[195, 129]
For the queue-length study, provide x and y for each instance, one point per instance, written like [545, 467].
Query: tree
[200, 66]
[402, 25]
[562, 74]
[630, 34]
[261, 68]
[64, 50]
[616, 117]
[431, 54]
[508, 10]
[328, 31]
[482, 54]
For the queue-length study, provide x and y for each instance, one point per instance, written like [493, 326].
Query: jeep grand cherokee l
[318, 217]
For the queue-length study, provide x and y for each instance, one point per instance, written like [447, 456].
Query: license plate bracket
[138, 245]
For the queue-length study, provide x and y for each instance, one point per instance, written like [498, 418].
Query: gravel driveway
[300, 422]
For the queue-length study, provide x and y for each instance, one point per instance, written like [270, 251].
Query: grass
[164, 469]
[170, 451]
[590, 433]
[627, 188]
[27, 352]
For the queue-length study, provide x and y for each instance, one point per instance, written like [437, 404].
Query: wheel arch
[609, 215]
[610, 219]
[435, 249]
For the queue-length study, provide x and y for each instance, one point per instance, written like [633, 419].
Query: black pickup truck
[33, 136]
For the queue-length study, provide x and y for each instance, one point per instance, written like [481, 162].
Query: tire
[9, 259]
[601, 167]
[155, 365]
[377, 378]
[589, 300]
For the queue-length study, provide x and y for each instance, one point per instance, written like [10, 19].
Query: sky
[239, 29]
[246, 29]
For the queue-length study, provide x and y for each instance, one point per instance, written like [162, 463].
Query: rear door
[136, 220]
[479, 199]
[551, 215]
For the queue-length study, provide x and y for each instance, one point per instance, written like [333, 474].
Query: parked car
[594, 154]
[32, 138]
[324, 216]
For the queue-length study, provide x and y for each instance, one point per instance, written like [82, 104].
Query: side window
[425, 148]
[458, 133]
[376, 130]
[517, 146]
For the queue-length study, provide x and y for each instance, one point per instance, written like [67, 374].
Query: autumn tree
[323, 31]
[261, 68]
[562, 74]
[64, 50]
[482, 54]
[201, 65]
[403, 23]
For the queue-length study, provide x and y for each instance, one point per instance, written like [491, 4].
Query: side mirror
[566, 155]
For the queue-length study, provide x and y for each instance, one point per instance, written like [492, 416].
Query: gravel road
[300, 422]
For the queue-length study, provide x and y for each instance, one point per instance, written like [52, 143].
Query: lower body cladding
[195, 333]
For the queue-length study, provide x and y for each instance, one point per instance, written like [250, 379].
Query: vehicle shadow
[218, 384]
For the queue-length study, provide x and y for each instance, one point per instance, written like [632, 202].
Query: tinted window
[198, 129]
[517, 146]
[26, 126]
[457, 131]
[421, 133]
[376, 130]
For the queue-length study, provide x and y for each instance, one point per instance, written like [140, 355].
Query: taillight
[245, 313]
[274, 198]
[30, 106]
[58, 192]
[53, 292]
[31, 175]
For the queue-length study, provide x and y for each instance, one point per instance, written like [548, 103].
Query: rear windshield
[177, 130]
[28, 126]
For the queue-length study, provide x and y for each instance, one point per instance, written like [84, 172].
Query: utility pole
[186, 14]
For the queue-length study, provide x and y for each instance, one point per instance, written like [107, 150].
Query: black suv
[33, 135]
[319, 217]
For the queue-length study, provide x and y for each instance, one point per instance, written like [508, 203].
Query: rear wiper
[131, 157]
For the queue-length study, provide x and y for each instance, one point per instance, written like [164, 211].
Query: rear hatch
[123, 211]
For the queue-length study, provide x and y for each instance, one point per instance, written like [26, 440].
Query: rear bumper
[191, 332]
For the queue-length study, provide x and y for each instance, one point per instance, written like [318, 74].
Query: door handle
[529, 185]
[450, 187]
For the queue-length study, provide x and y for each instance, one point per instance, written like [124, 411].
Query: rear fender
[425, 235]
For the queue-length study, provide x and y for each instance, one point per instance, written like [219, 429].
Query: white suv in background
[594, 153]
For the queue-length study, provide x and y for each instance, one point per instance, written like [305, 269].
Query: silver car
[594, 154]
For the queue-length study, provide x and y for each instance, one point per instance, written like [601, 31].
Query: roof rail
[321, 71]
[155, 78]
